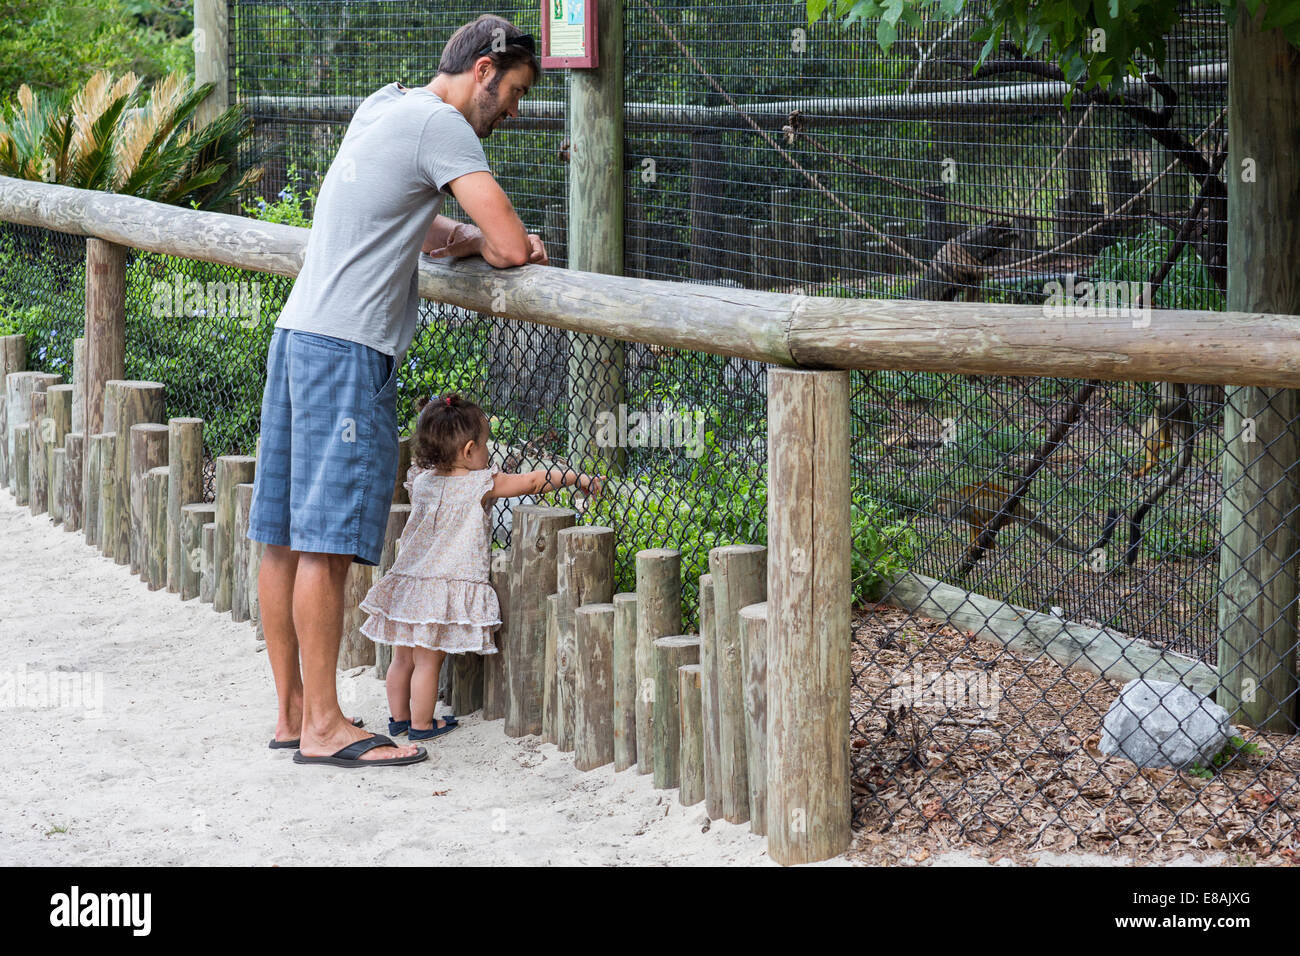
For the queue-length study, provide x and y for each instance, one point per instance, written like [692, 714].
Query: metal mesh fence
[1013, 536]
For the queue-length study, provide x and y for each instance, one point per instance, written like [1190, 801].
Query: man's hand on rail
[537, 255]
[464, 239]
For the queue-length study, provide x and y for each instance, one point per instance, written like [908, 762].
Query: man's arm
[447, 237]
[503, 240]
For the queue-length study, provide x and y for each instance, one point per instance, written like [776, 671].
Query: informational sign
[568, 34]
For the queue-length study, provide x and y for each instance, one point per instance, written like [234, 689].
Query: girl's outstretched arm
[540, 481]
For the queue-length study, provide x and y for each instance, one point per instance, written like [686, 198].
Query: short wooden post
[134, 403]
[105, 329]
[710, 708]
[107, 494]
[184, 486]
[670, 653]
[494, 665]
[21, 463]
[90, 488]
[13, 358]
[19, 386]
[533, 574]
[56, 486]
[739, 573]
[355, 649]
[38, 460]
[400, 497]
[753, 644]
[593, 686]
[153, 536]
[193, 517]
[584, 575]
[58, 407]
[74, 448]
[808, 605]
[207, 566]
[251, 575]
[398, 515]
[79, 383]
[239, 559]
[658, 614]
[4, 436]
[691, 759]
[232, 470]
[550, 674]
[624, 680]
[148, 450]
[466, 683]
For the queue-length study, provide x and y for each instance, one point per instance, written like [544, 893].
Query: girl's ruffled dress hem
[435, 613]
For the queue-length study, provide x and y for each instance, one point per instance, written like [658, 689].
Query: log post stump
[584, 575]
[753, 642]
[593, 686]
[74, 449]
[739, 573]
[232, 470]
[184, 486]
[356, 650]
[691, 758]
[58, 407]
[207, 576]
[19, 386]
[21, 462]
[107, 494]
[240, 551]
[533, 574]
[148, 451]
[193, 517]
[90, 488]
[624, 680]
[133, 403]
[56, 486]
[658, 614]
[38, 459]
[550, 700]
[670, 653]
[153, 536]
[710, 706]
[494, 672]
[398, 515]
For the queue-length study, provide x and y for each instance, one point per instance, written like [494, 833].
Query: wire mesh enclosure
[1023, 546]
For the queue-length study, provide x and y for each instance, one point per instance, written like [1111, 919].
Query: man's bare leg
[275, 601]
[318, 622]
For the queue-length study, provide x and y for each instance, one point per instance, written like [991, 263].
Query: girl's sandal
[414, 734]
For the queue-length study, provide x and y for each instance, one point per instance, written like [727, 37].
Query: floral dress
[438, 594]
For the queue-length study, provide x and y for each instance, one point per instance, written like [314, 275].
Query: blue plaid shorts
[327, 462]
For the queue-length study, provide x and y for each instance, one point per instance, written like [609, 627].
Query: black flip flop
[294, 744]
[350, 756]
[448, 727]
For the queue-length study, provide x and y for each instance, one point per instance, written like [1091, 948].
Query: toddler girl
[436, 599]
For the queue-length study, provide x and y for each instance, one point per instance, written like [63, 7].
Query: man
[328, 458]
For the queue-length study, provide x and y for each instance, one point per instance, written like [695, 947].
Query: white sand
[176, 770]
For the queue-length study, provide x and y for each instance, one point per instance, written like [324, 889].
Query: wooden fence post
[709, 706]
[808, 608]
[38, 460]
[13, 358]
[232, 470]
[670, 653]
[691, 759]
[397, 518]
[533, 574]
[148, 451]
[153, 536]
[753, 645]
[240, 552]
[658, 614]
[584, 575]
[134, 403]
[184, 486]
[105, 327]
[58, 408]
[624, 680]
[593, 686]
[595, 232]
[494, 673]
[74, 450]
[194, 516]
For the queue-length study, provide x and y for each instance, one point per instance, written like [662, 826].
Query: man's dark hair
[466, 44]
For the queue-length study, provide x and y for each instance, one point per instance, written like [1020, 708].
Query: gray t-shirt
[387, 183]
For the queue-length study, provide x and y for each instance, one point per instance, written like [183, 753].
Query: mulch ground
[1019, 773]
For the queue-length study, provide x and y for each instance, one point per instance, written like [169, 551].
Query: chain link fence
[1013, 536]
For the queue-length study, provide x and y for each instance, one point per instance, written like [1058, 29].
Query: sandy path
[174, 769]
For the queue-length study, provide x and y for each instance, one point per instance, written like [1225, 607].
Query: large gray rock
[1159, 724]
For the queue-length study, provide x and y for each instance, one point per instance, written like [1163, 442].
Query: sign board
[568, 34]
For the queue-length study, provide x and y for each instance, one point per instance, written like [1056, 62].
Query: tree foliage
[1095, 42]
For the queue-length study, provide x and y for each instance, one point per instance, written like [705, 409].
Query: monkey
[977, 505]
[962, 262]
[1167, 428]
